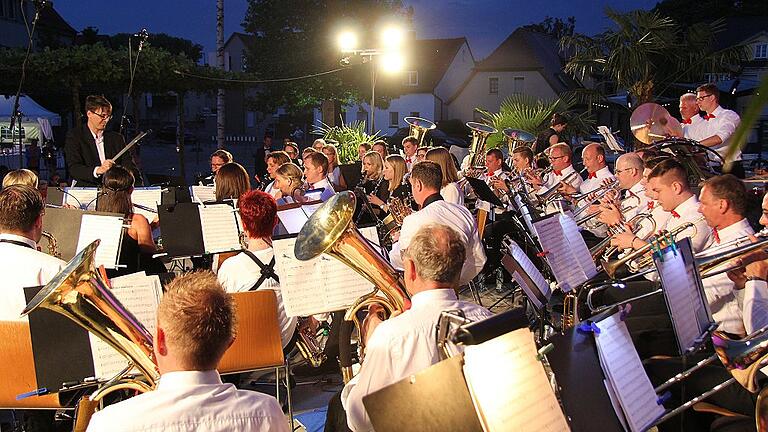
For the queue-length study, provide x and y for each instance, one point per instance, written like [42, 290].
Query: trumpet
[592, 197]
[604, 248]
[552, 193]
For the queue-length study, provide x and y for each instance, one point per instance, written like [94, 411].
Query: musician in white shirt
[719, 124]
[316, 174]
[274, 160]
[410, 146]
[21, 264]
[195, 326]
[560, 158]
[425, 181]
[405, 344]
[692, 123]
[629, 173]
[723, 204]
[593, 157]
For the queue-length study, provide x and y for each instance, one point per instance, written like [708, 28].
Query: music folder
[67, 226]
[193, 229]
[484, 192]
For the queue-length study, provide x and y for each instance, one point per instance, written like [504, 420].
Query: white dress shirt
[192, 401]
[453, 216]
[659, 215]
[554, 179]
[719, 289]
[485, 205]
[723, 125]
[327, 187]
[695, 130]
[271, 189]
[452, 194]
[99, 139]
[239, 273]
[22, 267]
[636, 197]
[755, 306]
[590, 184]
[402, 346]
[688, 211]
[335, 175]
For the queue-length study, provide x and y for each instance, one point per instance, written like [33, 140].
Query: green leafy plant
[348, 138]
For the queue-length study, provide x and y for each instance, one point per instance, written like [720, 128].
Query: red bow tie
[557, 173]
[716, 235]
[709, 116]
[592, 175]
[650, 205]
[408, 160]
[310, 186]
[674, 214]
[685, 121]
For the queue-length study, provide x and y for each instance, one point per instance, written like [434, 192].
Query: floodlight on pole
[392, 63]
[347, 41]
[392, 37]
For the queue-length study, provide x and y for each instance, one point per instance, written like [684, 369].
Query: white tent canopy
[36, 120]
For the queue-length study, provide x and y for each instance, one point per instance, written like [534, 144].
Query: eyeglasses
[102, 116]
[556, 157]
[621, 171]
[701, 98]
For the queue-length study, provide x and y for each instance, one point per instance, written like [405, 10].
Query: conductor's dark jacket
[82, 156]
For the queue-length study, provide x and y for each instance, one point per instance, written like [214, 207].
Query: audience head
[669, 181]
[433, 259]
[315, 167]
[258, 211]
[231, 181]
[442, 157]
[116, 189]
[219, 158]
[394, 171]
[20, 176]
[426, 179]
[196, 323]
[21, 211]
[723, 200]
[274, 160]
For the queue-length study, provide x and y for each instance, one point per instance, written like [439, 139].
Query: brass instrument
[53, 245]
[81, 294]
[308, 344]
[399, 208]
[516, 138]
[330, 230]
[418, 127]
[592, 197]
[709, 265]
[604, 250]
[480, 134]
[552, 193]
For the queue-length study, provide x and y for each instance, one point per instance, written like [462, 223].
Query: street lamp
[391, 60]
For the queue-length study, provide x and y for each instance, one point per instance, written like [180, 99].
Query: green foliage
[644, 52]
[690, 12]
[348, 137]
[530, 114]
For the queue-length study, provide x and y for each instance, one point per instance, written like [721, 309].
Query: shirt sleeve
[727, 125]
[755, 306]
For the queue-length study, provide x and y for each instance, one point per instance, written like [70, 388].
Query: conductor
[90, 149]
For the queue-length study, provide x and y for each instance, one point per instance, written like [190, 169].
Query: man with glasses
[719, 124]
[90, 148]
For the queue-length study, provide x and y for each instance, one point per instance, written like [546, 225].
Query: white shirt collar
[603, 172]
[430, 296]
[638, 189]
[322, 183]
[19, 238]
[691, 204]
[567, 170]
[189, 378]
[717, 111]
[734, 230]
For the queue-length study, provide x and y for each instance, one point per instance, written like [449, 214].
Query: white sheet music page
[202, 193]
[292, 219]
[81, 197]
[108, 229]
[219, 226]
[147, 197]
[323, 284]
[141, 296]
[558, 253]
[530, 269]
[527, 402]
[623, 368]
[577, 246]
[681, 290]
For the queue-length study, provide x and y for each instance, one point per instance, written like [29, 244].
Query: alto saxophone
[53, 246]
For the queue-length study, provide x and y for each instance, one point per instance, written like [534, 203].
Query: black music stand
[436, 399]
[484, 192]
[182, 231]
[64, 225]
[351, 173]
[55, 196]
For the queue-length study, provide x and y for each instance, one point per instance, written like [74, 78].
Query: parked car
[168, 133]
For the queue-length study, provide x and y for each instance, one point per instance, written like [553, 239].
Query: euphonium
[80, 293]
[480, 134]
[53, 245]
[330, 230]
[308, 345]
[418, 127]
[516, 138]
[399, 209]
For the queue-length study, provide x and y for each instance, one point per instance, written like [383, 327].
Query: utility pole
[220, 64]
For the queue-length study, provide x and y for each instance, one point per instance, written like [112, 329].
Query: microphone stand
[16, 115]
[132, 65]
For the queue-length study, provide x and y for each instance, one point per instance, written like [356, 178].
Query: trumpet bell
[743, 358]
[81, 294]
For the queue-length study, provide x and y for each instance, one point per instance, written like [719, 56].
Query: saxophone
[53, 246]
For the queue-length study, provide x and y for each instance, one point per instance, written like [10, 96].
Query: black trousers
[336, 418]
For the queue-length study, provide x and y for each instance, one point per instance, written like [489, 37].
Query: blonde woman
[334, 172]
[288, 181]
[373, 181]
[394, 172]
[449, 190]
[20, 177]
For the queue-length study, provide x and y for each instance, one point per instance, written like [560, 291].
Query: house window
[715, 77]
[394, 118]
[493, 85]
[413, 78]
[243, 62]
[761, 51]
[517, 84]
[415, 114]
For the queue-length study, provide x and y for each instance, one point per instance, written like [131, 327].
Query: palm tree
[645, 52]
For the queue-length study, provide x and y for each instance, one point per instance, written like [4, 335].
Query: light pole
[391, 39]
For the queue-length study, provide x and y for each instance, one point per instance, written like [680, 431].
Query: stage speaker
[331, 112]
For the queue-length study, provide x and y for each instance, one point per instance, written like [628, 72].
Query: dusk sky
[486, 23]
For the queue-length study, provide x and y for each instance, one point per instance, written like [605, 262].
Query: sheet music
[623, 368]
[108, 229]
[509, 362]
[309, 209]
[530, 269]
[577, 246]
[202, 193]
[684, 298]
[139, 294]
[323, 284]
[147, 197]
[292, 219]
[219, 226]
[81, 196]
[559, 256]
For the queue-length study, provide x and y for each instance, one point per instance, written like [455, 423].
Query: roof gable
[431, 58]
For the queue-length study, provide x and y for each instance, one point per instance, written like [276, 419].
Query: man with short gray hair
[406, 344]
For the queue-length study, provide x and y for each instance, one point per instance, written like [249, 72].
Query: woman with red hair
[254, 268]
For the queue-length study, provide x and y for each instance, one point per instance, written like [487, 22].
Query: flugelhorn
[330, 230]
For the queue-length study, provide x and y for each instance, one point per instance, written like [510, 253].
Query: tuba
[418, 127]
[480, 134]
[330, 230]
[516, 138]
[80, 293]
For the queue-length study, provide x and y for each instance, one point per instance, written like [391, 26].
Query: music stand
[351, 173]
[484, 192]
[182, 231]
